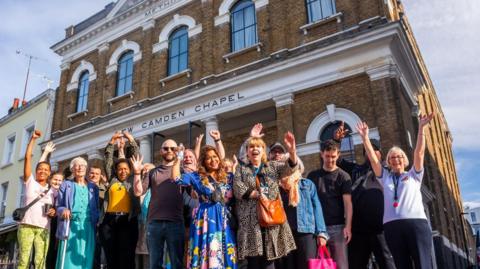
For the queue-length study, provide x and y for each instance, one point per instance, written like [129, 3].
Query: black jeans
[362, 246]
[306, 249]
[410, 240]
[119, 235]
[173, 233]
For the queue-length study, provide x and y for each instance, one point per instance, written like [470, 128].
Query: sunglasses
[169, 148]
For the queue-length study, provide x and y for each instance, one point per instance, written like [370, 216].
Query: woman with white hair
[407, 231]
[77, 218]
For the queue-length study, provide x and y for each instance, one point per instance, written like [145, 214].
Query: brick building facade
[292, 65]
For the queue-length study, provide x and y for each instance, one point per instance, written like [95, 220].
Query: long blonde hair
[219, 175]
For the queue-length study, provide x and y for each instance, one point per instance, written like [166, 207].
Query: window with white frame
[3, 204]
[9, 149]
[346, 146]
[27, 134]
[473, 216]
[21, 198]
[319, 9]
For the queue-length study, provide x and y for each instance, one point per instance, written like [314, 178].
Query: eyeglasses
[169, 148]
[396, 157]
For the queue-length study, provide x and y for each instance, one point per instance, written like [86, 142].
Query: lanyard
[396, 181]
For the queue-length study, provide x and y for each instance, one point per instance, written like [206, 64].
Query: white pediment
[121, 6]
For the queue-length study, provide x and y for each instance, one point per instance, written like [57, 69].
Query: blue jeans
[173, 233]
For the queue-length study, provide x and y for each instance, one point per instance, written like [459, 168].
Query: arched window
[319, 9]
[243, 25]
[125, 73]
[347, 146]
[82, 96]
[178, 51]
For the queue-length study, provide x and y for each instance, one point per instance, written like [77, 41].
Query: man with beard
[165, 212]
[367, 200]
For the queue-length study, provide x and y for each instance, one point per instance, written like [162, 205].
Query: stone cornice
[110, 28]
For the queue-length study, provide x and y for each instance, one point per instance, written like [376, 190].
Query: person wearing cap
[305, 217]
[367, 220]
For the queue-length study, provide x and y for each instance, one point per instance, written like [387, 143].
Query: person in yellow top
[119, 225]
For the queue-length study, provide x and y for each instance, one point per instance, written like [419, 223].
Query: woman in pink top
[33, 231]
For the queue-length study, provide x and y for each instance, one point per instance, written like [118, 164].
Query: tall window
[125, 73]
[347, 147]
[243, 25]
[319, 9]
[82, 97]
[27, 134]
[8, 152]
[474, 217]
[178, 51]
[3, 204]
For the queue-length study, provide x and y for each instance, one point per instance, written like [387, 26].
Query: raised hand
[36, 134]
[362, 129]
[289, 141]
[341, 132]
[257, 131]
[235, 162]
[215, 134]
[128, 135]
[137, 164]
[115, 137]
[199, 138]
[424, 120]
[50, 147]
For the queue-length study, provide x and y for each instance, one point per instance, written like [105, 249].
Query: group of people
[199, 209]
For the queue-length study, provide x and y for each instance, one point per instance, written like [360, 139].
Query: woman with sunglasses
[119, 222]
[212, 241]
[407, 231]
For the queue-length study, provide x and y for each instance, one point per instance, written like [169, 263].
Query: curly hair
[219, 175]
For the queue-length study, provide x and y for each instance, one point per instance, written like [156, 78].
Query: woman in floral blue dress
[212, 241]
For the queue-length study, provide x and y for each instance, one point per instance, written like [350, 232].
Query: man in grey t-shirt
[165, 212]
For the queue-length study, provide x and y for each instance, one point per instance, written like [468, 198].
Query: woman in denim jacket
[305, 217]
[77, 213]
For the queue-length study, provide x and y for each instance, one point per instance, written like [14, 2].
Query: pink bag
[324, 260]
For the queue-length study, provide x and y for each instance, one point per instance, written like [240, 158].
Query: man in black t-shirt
[334, 190]
[367, 199]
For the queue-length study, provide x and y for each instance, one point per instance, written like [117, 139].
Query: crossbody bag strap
[40, 196]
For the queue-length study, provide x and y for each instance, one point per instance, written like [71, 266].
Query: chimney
[69, 31]
[16, 102]
[24, 102]
[14, 107]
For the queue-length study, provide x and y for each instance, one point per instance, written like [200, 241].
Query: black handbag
[19, 213]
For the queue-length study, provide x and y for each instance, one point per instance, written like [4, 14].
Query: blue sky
[447, 33]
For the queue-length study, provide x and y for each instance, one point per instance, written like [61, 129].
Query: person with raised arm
[367, 201]
[120, 209]
[165, 211]
[257, 178]
[215, 135]
[77, 219]
[407, 231]
[212, 240]
[33, 231]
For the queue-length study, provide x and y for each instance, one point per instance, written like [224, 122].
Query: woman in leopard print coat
[261, 246]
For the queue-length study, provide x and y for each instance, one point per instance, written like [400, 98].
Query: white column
[94, 154]
[146, 148]
[211, 123]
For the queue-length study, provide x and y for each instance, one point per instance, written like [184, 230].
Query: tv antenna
[30, 58]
